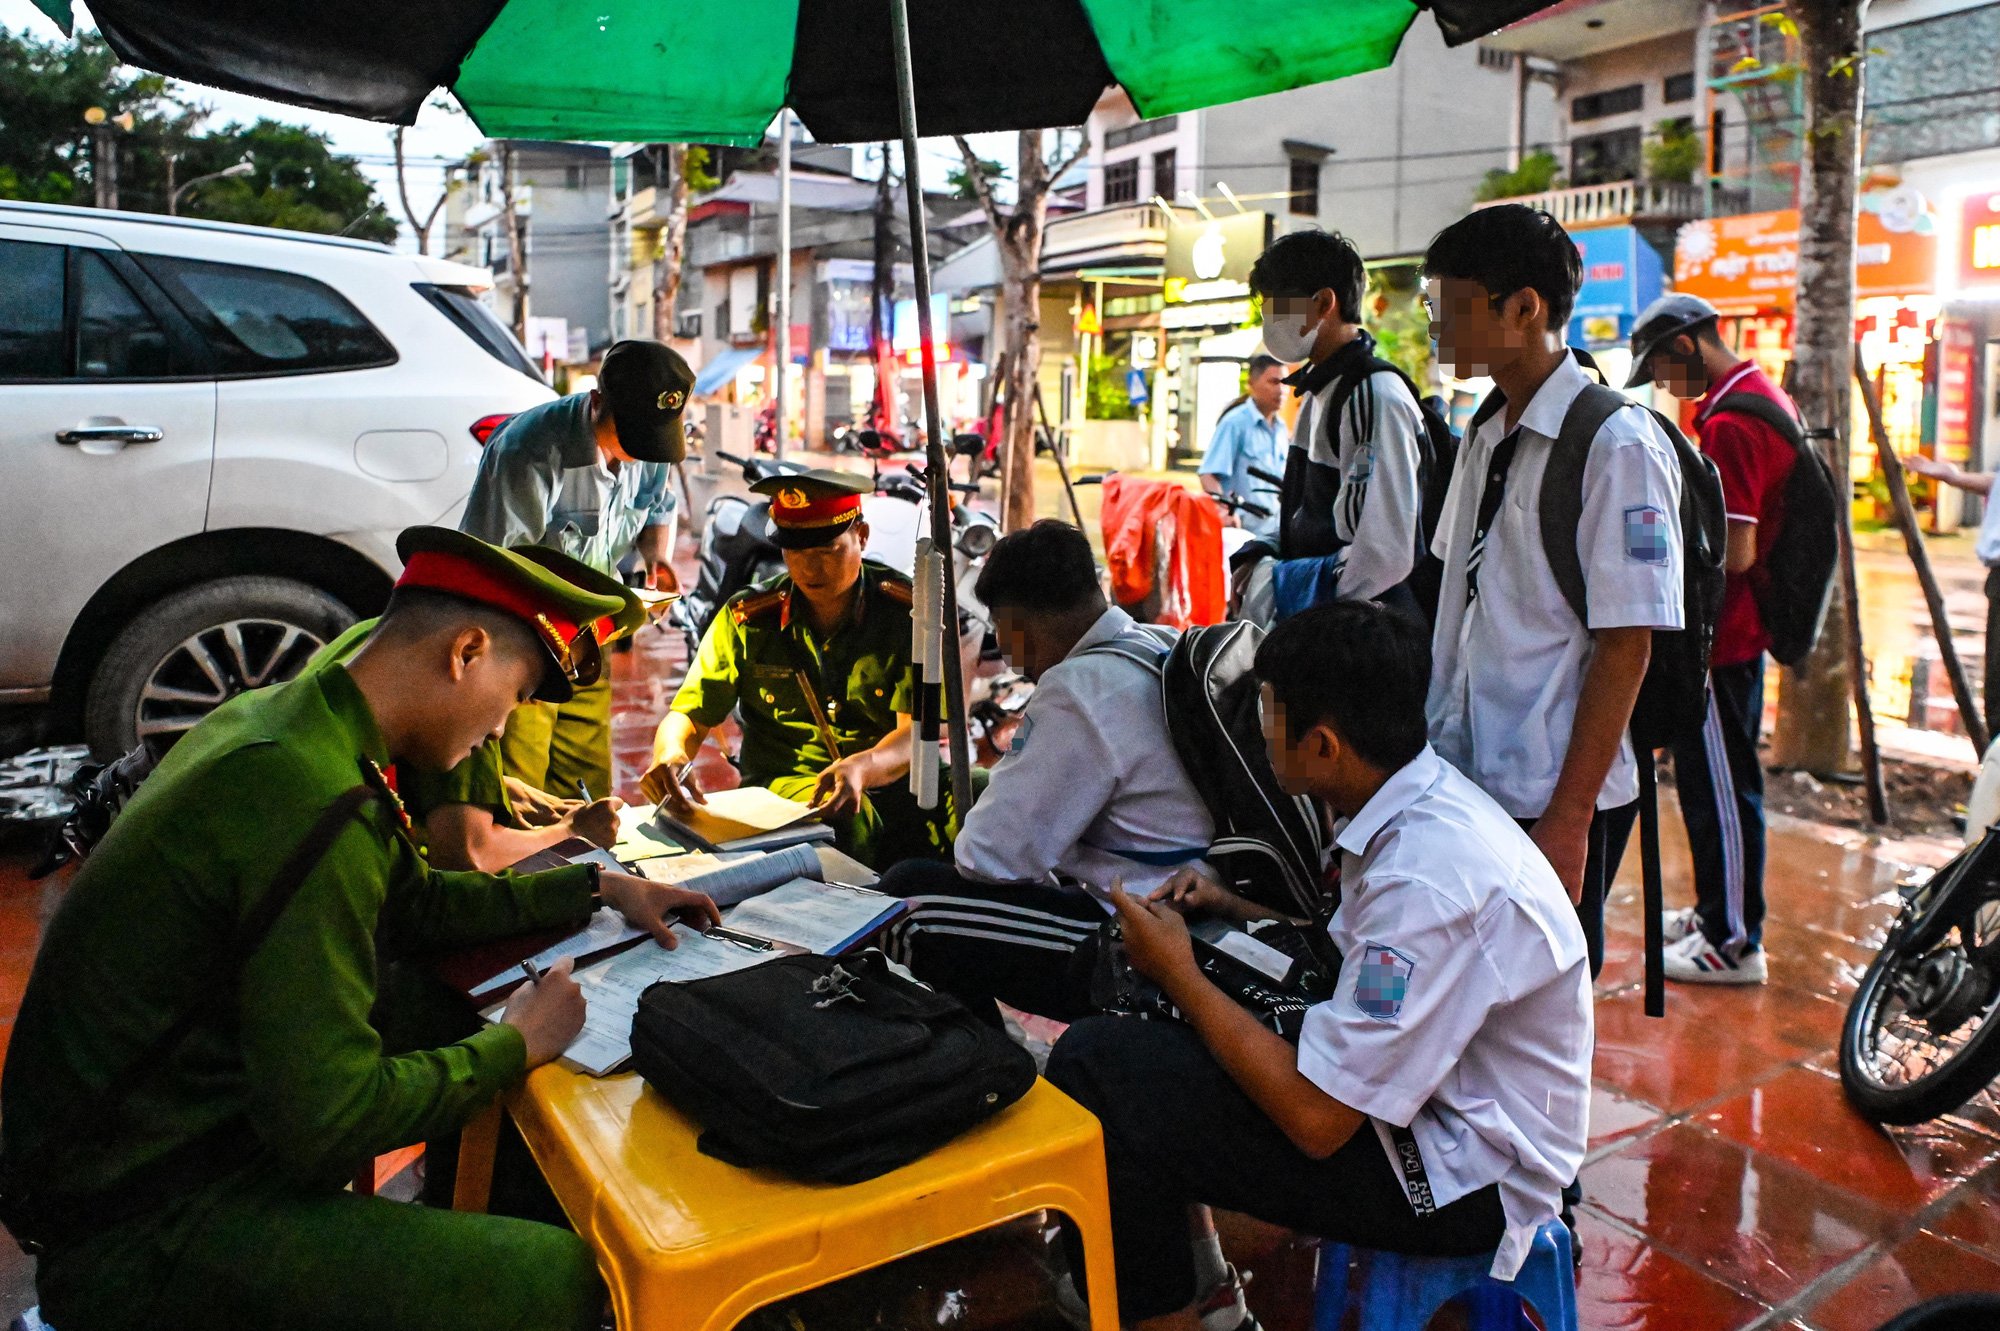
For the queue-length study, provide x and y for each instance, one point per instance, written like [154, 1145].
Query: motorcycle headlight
[976, 542]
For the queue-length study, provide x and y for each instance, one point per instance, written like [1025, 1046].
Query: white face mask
[1286, 341]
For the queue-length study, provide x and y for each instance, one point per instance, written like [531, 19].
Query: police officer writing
[194, 1077]
[817, 667]
[587, 475]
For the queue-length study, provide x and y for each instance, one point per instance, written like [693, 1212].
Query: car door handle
[111, 434]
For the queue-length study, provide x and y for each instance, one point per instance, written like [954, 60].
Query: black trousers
[1178, 1131]
[1990, 685]
[1030, 947]
[1610, 829]
[1721, 781]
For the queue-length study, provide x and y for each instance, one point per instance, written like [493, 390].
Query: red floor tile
[1921, 1267]
[1973, 1217]
[1814, 961]
[1616, 1118]
[1711, 1042]
[1626, 1284]
[1754, 1223]
[1801, 1117]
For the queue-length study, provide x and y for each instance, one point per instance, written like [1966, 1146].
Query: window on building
[1305, 187]
[572, 177]
[1678, 87]
[1492, 59]
[117, 337]
[31, 310]
[1602, 159]
[261, 321]
[1164, 183]
[1139, 133]
[1609, 102]
[1121, 181]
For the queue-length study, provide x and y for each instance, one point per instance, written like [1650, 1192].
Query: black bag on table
[829, 1069]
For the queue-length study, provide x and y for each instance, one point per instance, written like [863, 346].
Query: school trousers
[1721, 782]
[1178, 1130]
[1027, 946]
[1610, 829]
[553, 746]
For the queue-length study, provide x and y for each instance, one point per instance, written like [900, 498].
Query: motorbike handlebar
[1258, 473]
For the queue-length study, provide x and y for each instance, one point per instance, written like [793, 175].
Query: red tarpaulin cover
[1140, 517]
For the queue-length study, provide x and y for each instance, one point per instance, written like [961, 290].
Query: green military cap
[635, 609]
[810, 508]
[438, 559]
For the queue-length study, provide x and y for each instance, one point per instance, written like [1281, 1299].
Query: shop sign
[1211, 259]
[1741, 264]
[1954, 392]
[1979, 242]
[1621, 276]
[1213, 314]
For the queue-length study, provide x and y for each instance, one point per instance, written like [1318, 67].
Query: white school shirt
[1091, 788]
[1375, 448]
[1463, 1011]
[1507, 670]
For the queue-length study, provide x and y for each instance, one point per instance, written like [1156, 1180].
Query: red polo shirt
[1754, 461]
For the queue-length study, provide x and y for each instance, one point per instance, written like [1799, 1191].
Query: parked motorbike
[1922, 1034]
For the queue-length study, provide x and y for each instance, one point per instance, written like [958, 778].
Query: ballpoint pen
[532, 971]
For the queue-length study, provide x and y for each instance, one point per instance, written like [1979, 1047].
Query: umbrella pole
[937, 470]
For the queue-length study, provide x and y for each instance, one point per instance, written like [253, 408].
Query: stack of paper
[611, 991]
[814, 916]
[607, 930]
[730, 879]
[746, 818]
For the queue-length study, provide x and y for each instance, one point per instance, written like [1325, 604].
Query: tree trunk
[517, 260]
[1021, 293]
[672, 257]
[403, 193]
[1814, 731]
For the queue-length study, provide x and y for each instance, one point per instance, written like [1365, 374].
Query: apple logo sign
[1207, 255]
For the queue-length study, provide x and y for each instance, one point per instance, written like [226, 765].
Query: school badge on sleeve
[1645, 534]
[1381, 979]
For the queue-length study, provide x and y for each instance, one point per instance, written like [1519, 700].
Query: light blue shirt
[1244, 439]
[542, 481]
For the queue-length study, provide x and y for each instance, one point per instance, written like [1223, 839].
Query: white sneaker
[1694, 960]
[1681, 923]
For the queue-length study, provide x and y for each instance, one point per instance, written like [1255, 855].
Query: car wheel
[181, 659]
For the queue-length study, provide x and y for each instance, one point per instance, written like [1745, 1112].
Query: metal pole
[784, 276]
[937, 470]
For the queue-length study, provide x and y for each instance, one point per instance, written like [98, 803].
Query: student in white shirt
[1438, 1101]
[1352, 499]
[1525, 699]
[1090, 792]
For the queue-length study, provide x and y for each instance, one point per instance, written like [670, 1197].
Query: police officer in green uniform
[476, 816]
[193, 1077]
[817, 667]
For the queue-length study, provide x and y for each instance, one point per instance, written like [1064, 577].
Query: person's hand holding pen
[547, 1010]
[671, 783]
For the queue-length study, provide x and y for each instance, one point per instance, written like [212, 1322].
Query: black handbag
[1280, 1003]
[829, 1069]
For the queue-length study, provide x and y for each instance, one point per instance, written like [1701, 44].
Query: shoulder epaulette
[897, 588]
[760, 604]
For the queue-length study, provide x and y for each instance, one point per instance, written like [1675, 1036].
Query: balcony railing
[1590, 205]
[1129, 228]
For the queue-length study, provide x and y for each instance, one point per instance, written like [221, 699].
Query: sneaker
[1680, 923]
[1694, 960]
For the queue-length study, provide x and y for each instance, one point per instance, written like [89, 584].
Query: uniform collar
[1311, 377]
[579, 440]
[352, 713]
[1552, 400]
[857, 609]
[1721, 388]
[1399, 792]
[1108, 626]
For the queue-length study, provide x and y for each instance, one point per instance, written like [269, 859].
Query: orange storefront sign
[1745, 264]
[1979, 242]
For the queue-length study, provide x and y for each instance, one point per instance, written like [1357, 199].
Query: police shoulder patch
[761, 604]
[1382, 981]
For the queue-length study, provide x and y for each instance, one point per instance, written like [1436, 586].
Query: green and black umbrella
[719, 71]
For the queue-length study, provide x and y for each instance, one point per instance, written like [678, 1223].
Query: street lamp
[241, 169]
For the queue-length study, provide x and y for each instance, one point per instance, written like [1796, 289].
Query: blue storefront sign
[1622, 275]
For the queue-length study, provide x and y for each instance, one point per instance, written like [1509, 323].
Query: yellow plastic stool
[688, 1243]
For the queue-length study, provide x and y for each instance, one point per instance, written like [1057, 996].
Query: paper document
[640, 838]
[730, 879]
[815, 916]
[731, 815]
[606, 930]
[611, 991]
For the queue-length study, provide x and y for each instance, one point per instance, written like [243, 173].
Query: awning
[718, 372]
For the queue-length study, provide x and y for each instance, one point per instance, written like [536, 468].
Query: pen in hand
[529, 969]
[583, 792]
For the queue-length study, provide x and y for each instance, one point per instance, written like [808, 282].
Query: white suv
[209, 438]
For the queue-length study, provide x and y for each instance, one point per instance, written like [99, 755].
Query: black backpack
[1673, 700]
[829, 1069]
[1797, 567]
[1267, 844]
[1437, 460]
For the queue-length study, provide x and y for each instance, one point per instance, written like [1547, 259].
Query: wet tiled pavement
[1728, 1183]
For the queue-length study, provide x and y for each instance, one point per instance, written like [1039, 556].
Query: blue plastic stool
[1401, 1293]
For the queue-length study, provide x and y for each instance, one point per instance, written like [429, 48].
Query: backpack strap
[1562, 490]
[1758, 407]
[1148, 656]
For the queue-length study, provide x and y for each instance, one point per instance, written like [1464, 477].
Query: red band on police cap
[791, 508]
[432, 570]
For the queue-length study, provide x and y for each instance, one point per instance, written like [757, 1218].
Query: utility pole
[104, 164]
[517, 259]
[881, 299]
[780, 399]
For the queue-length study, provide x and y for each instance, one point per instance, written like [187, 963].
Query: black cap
[646, 386]
[1661, 322]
